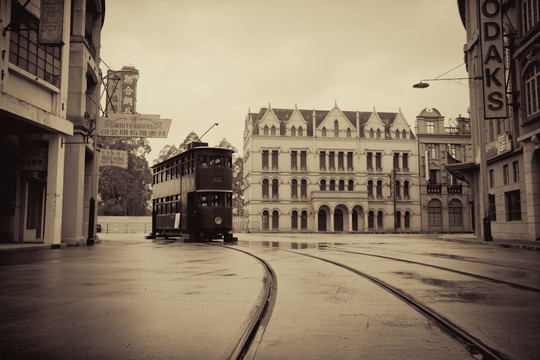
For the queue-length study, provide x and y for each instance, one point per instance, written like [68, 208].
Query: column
[54, 192]
[74, 185]
[350, 220]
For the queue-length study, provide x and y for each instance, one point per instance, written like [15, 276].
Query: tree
[126, 191]
[169, 151]
[238, 187]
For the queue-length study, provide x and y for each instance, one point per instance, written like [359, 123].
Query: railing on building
[434, 188]
[454, 189]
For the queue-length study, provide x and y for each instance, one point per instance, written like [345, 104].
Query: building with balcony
[330, 171]
[447, 201]
[50, 81]
[502, 54]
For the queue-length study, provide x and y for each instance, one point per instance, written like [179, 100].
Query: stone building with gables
[330, 171]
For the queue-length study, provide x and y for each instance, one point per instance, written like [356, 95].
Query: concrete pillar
[331, 221]
[72, 222]
[350, 220]
[316, 219]
[54, 192]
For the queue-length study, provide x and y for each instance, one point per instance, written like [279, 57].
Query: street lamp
[423, 85]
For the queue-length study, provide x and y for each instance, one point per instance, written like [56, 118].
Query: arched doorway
[358, 219]
[321, 219]
[338, 220]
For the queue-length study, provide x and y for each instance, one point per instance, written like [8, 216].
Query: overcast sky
[207, 61]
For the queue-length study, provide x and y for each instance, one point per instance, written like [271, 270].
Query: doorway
[34, 210]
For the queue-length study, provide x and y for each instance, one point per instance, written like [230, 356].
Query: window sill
[29, 76]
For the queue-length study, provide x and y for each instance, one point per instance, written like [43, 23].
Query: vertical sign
[492, 51]
[122, 90]
[51, 21]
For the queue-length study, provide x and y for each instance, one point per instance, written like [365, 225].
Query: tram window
[216, 160]
[228, 200]
[204, 200]
[217, 200]
[229, 161]
[167, 174]
[203, 162]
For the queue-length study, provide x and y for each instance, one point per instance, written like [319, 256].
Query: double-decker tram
[192, 195]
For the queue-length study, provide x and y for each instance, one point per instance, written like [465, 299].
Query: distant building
[330, 171]
[502, 54]
[447, 202]
[48, 106]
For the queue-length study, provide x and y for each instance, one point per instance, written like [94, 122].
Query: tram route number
[217, 178]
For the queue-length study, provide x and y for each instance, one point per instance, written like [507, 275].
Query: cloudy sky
[207, 61]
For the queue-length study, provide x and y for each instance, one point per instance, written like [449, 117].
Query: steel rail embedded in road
[261, 317]
[481, 277]
[475, 346]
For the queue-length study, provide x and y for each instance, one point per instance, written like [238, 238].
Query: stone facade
[330, 171]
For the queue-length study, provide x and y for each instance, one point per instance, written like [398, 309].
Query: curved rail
[481, 277]
[259, 321]
[474, 345]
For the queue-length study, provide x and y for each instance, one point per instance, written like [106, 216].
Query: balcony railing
[434, 188]
[454, 189]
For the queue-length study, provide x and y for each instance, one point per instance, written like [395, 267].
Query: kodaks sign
[492, 50]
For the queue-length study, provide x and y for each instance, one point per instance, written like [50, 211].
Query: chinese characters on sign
[33, 159]
[134, 125]
[51, 22]
[491, 45]
[117, 158]
[122, 90]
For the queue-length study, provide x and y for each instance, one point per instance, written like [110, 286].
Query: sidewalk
[506, 243]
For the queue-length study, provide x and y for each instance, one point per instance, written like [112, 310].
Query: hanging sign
[492, 50]
[133, 125]
[51, 22]
[116, 158]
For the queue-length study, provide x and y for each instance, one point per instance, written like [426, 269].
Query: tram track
[477, 276]
[256, 326]
[476, 347]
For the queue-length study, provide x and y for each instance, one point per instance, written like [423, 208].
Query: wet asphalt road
[130, 298]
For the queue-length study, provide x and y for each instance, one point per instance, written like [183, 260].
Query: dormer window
[378, 133]
[430, 127]
[397, 134]
[265, 130]
[300, 131]
[293, 131]
[371, 133]
[336, 128]
[273, 131]
[404, 134]
[323, 131]
[348, 132]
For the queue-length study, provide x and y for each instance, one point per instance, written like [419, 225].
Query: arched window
[265, 190]
[336, 128]
[380, 220]
[323, 185]
[294, 189]
[349, 133]
[406, 189]
[378, 133]
[455, 213]
[323, 131]
[265, 130]
[397, 134]
[398, 219]
[332, 185]
[294, 220]
[300, 131]
[293, 131]
[398, 189]
[370, 219]
[371, 133]
[265, 220]
[341, 185]
[350, 185]
[273, 130]
[407, 220]
[370, 188]
[303, 188]
[275, 220]
[303, 220]
[379, 189]
[435, 213]
[532, 95]
[404, 134]
[275, 189]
